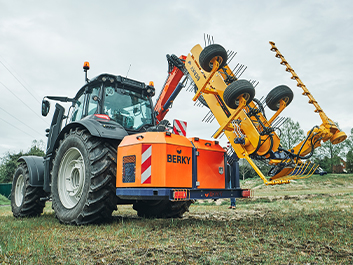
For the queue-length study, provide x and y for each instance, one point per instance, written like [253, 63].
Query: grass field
[308, 221]
[4, 200]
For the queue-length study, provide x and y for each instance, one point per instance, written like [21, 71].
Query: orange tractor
[115, 148]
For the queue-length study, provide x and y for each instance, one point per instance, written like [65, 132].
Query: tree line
[8, 163]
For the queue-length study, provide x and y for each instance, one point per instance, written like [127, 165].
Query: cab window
[93, 104]
[78, 108]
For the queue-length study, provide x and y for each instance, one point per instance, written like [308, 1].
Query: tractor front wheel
[25, 199]
[83, 179]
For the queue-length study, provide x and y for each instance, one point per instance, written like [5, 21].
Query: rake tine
[243, 71]
[230, 58]
[204, 38]
[239, 69]
[283, 121]
[235, 68]
[205, 116]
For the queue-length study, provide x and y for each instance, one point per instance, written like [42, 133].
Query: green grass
[292, 229]
[4, 200]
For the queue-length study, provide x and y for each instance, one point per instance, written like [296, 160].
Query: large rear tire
[83, 179]
[209, 53]
[161, 208]
[25, 199]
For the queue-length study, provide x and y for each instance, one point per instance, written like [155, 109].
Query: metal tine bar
[310, 173]
[301, 171]
[205, 116]
[242, 72]
[231, 56]
[212, 40]
[252, 82]
[282, 122]
[239, 69]
[204, 38]
[276, 121]
[273, 124]
[210, 118]
[256, 84]
[304, 167]
[295, 170]
[235, 68]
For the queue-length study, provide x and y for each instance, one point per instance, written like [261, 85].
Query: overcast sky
[44, 44]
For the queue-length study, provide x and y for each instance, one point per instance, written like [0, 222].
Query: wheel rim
[71, 178]
[286, 99]
[19, 190]
[219, 59]
[245, 96]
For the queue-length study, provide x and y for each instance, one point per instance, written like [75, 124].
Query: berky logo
[178, 159]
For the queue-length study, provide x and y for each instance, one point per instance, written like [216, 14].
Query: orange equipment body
[210, 162]
[173, 161]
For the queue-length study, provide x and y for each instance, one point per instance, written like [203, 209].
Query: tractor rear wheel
[161, 208]
[236, 89]
[209, 53]
[279, 92]
[83, 179]
[25, 199]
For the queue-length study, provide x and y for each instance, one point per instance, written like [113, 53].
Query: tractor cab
[117, 99]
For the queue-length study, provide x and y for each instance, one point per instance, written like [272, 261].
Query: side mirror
[45, 107]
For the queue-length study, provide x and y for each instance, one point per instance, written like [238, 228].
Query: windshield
[130, 109]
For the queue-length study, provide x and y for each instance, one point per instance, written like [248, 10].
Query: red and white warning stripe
[146, 159]
[179, 127]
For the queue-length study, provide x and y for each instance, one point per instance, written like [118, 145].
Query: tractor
[116, 148]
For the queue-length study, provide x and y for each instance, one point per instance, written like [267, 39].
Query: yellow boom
[242, 118]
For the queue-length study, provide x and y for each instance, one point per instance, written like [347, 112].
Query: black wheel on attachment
[83, 179]
[209, 53]
[25, 199]
[161, 208]
[279, 92]
[236, 89]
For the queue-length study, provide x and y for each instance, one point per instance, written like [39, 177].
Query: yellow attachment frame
[245, 133]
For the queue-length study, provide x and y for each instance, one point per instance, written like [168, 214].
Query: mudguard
[35, 165]
[98, 128]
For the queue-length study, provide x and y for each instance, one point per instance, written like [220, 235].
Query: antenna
[128, 71]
